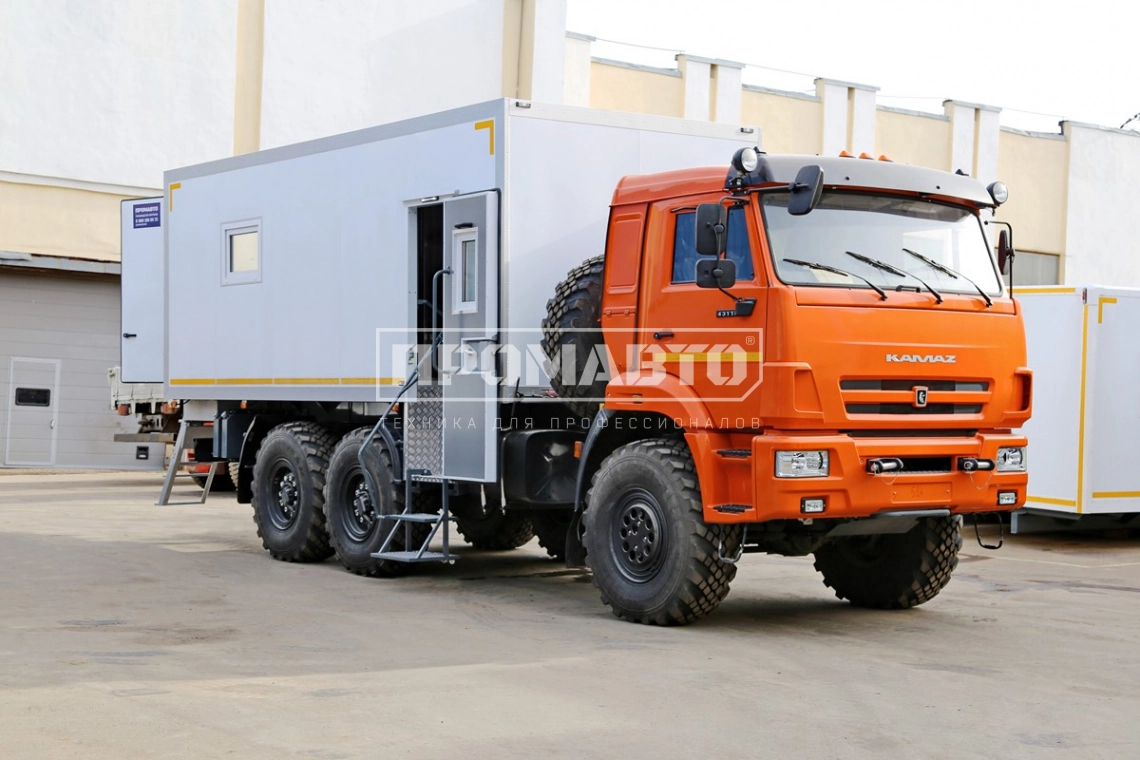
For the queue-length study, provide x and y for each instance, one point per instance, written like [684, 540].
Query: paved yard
[131, 631]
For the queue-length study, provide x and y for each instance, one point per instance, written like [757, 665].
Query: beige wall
[788, 124]
[1036, 171]
[59, 221]
[913, 138]
[620, 88]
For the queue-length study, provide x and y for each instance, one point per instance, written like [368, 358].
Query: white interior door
[33, 412]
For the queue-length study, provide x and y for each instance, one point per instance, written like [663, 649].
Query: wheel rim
[637, 538]
[359, 518]
[285, 495]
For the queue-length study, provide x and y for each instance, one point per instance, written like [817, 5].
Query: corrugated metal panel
[73, 319]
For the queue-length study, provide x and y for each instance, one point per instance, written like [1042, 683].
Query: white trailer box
[1084, 350]
[305, 273]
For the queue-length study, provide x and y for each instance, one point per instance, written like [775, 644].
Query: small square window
[242, 252]
[33, 397]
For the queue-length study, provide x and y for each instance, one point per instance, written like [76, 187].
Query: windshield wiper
[895, 271]
[835, 270]
[950, 272]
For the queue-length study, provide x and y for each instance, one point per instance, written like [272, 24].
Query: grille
[911, 409]
[960, 386]
[896, 396]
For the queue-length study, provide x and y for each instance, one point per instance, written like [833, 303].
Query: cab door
[687, 331]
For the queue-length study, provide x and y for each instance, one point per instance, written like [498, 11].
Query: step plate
[416, 517]
[415, 557]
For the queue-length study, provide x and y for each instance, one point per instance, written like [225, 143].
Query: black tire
[489, 528]
[893, 571]
[653, 557]
[572, 329]
[354, 523]
[551, 527]
[289, 492]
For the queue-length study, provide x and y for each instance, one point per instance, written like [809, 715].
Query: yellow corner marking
[1047, 500]
[170, 195]
[489, 125]
[715, 356]
[1081, 433]
[1116, 494]
[192, 381]
[1024, 291]
[1100, 308]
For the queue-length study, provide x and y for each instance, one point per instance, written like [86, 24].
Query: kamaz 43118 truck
[793, 354]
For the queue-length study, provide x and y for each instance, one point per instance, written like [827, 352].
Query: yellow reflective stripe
[1047, 500]
[1116, 494]
[173, 186]
[714, 356]
[1027, 291]
[1081, 434]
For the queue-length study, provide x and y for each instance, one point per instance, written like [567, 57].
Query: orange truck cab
[810, 355]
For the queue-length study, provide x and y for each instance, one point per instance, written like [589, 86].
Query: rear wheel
[486, 526]
[653, 557]
[355, 520]
[893, 571]
[551, 527]
[288, 492]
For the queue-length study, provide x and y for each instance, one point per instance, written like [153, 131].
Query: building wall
[55, 220]
[115, 92]
[341, 65]
[615, 87]
[789, 124]
[74, 319]
[1035, 168]
[1101, 229]
[913, 138]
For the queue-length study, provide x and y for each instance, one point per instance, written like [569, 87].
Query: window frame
[459, 237]
[229, 231]
[675, 214]
[17, 402]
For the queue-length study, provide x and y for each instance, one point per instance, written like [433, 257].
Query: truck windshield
[880, 227]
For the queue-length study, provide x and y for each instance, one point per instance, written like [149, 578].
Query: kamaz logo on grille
[923, 358]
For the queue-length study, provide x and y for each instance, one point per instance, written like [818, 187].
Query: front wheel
[893, 571]
[653, 557]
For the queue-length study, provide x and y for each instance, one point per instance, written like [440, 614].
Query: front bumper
[850, 491]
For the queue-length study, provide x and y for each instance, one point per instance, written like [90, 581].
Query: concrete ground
[133, 631]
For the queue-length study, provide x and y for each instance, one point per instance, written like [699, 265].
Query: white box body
[335, 294]
[1084, 350]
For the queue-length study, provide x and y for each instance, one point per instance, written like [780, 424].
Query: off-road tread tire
[496, 531]
[573, 317]
[317, 444]
[924, 559]
[375, 568]
[706, 580]
[551, 527]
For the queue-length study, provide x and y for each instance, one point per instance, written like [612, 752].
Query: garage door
[33, 411]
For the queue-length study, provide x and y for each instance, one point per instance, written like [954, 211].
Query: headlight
[801, 464]
[1011, 459]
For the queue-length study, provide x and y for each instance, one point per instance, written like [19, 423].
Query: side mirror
[806, 190]
[712, 221]
[716, 273]
[1004, 251]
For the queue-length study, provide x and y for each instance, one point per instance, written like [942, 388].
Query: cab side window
[685, 254]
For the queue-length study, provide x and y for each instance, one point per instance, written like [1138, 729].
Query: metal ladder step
[415, 556]
[416, 517]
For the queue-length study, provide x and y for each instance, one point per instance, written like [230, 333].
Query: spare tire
[572, 338]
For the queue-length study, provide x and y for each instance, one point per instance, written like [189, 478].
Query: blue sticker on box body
[148, 215]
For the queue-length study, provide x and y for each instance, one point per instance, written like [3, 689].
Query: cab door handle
[130, 335]
[663, 334]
